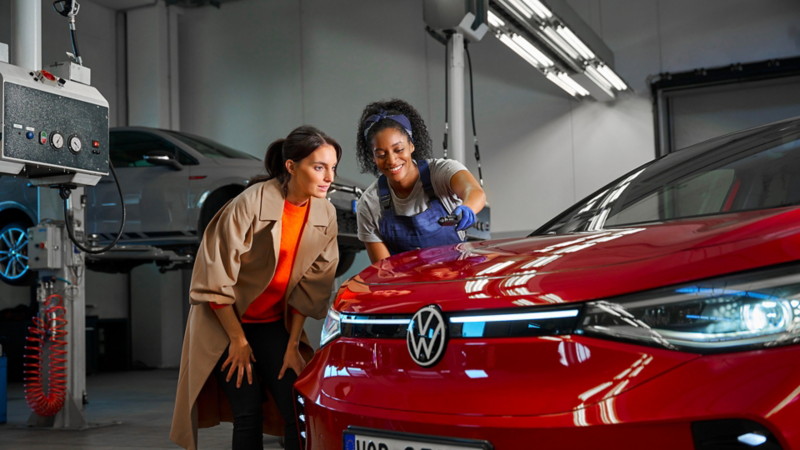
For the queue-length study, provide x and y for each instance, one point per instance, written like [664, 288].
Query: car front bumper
[761, 388]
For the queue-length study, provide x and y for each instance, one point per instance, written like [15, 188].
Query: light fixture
[539, 9]
[522, 8]
[591, 72]
[612, 77]
[571, 83]
[568, 50]
[563, 81]
[494, 20]
[575, 42]
[533, 51]
[560, 43]
[518, 50]
[513, 317]
[372, 321]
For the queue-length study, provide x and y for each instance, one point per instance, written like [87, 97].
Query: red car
[661, 312]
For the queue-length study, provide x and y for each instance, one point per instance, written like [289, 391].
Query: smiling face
[312, 176]
[392, 154]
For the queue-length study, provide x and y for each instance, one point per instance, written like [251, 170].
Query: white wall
[157, 316]
[151, 67]
[257, 69]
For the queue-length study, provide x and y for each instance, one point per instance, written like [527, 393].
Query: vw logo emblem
[427, 336]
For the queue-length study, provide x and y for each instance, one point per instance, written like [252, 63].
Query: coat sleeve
[228, 236]
[311, 295]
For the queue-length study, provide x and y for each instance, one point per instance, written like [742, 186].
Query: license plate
[357, 438]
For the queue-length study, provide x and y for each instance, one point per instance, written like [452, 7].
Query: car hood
[575, 267]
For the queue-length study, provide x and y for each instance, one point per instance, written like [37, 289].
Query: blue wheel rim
[14, 253]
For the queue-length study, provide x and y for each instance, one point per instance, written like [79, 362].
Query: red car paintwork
[557, 391]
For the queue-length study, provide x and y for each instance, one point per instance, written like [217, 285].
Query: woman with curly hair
[401, 210]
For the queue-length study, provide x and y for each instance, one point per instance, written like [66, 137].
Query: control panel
[51, 126]
[44, 247]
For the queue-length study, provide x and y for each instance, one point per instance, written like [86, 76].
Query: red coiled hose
[48, 404]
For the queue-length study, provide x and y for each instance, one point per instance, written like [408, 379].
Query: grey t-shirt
[369, 207]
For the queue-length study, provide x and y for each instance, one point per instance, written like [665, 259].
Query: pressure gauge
[57, 140]
[74, 144]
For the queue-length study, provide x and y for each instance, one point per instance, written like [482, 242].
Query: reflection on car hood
[575, 267]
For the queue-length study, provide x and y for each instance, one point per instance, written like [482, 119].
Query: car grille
[528, 322]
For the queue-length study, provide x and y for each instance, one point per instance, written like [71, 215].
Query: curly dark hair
[422, 142]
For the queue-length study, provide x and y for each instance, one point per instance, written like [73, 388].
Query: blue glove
[466, 217]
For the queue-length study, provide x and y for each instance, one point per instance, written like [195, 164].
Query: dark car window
[128, 148]
[755, 169]
[209, 148]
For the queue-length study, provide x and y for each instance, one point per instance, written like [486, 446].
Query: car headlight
[740, 312]
[331, 328]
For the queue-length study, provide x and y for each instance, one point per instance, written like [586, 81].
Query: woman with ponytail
[266, 262]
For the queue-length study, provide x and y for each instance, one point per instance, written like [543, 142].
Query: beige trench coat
[234, 264]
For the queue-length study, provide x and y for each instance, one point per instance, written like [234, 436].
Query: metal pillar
[26, 34]
[72, 415]
[455, 94]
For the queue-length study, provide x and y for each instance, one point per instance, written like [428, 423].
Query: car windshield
[209, 148]
[745, 171]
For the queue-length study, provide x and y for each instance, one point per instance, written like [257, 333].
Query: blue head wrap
[399, 118]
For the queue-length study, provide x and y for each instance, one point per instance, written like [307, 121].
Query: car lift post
[26, 51]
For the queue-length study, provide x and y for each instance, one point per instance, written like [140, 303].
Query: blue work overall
[404, 233]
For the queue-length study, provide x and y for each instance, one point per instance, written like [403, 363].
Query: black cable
[65, 191]
[73, 36]
[472, 107]
[446, 96]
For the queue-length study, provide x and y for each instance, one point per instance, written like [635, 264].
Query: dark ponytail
[300, 143]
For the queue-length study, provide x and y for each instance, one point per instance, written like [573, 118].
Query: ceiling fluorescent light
[495, 21]
[533, 51]
[560, 43]
[574, 85]
[560, 83]
[539, 9]
[576, 43]
[599, 79]
[612, 77]
[518, 50]
[522, 8]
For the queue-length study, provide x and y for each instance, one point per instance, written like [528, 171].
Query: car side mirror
[162, 158]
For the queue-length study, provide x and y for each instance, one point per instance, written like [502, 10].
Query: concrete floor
[141, 401]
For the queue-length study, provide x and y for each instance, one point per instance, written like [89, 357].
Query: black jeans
[268, 341]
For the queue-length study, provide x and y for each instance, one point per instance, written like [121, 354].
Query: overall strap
[425, 176]
[383, 193]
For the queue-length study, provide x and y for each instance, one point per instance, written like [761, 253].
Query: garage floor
[141, 401]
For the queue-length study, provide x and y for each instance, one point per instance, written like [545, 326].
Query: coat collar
[272, 200]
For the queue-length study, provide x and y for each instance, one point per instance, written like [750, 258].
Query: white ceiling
[123, 4]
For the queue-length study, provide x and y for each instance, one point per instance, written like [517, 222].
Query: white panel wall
[148, 67]
[157, 317]
[241, 69]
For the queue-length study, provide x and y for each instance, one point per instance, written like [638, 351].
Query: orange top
[268, 307]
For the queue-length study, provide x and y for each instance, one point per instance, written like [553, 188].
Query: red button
[95, 144]
[48, 75]
[41, 245]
